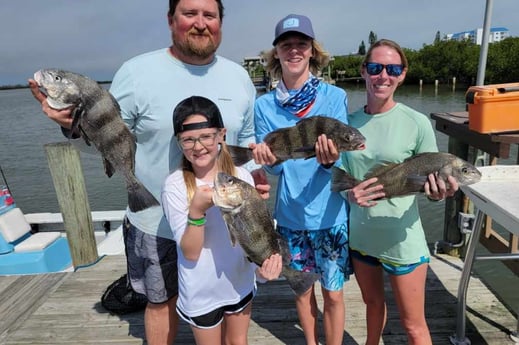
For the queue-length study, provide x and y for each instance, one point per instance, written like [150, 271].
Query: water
[25, 130]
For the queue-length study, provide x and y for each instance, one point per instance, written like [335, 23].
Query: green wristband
[196, 222]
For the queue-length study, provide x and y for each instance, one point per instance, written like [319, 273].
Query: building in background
[496, 34]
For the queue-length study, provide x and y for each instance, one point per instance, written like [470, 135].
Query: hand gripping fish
[97, 118]
[250, 224]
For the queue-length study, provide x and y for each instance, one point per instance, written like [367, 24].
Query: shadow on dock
[65, 309]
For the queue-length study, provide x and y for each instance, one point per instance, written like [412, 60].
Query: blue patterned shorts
[321, 251]
[389, 267]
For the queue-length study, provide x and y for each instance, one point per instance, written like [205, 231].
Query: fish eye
[57, 78]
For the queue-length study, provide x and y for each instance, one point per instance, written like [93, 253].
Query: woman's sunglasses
[374, 68]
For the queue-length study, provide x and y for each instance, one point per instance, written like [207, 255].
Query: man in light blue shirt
[148, 87]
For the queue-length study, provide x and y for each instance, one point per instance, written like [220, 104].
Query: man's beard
[191, 46]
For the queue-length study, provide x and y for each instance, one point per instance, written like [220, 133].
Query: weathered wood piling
[67, 176]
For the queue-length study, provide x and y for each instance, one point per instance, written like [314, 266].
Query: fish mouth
[38, 77]
[360, 147]
[219, 201]
[43, 90]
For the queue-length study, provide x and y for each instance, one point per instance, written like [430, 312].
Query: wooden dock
[64, 308]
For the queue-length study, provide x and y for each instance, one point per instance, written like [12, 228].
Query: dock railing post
[67, 175]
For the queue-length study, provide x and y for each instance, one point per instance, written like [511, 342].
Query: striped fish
[97, 119]
[299, 141]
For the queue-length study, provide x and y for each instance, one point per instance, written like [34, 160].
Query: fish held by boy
[299, 141]
[250, 224]
[97, 118]
[409, 177]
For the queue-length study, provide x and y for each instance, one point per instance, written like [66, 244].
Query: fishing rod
[5, 180]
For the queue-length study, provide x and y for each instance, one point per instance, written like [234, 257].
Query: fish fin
[380, 169]
[231, 229]
[140, 198]
[240, 155]
[85, 136]
[416, 182]
[299, 281]
[420, 155]
[109, 168]
[305, 149]
[233, 239]
[76, 115]
[341, 180]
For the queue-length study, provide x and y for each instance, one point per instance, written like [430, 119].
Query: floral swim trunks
[322, 251]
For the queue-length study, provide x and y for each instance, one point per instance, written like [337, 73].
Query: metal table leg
[459, 338]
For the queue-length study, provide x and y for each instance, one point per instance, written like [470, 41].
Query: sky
[94, 37]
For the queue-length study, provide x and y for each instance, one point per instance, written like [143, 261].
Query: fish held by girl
[251, 225]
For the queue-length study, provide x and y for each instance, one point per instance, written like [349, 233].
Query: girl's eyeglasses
[206, 140]
[393, 70]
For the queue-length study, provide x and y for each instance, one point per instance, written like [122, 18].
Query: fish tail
[299, 281]
[341, 180]
[140, 198]
[240, 155]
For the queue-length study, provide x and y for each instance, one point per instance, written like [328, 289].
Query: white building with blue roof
[476, 36]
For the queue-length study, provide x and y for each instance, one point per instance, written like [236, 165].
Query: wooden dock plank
[22, 295]
[69, 311]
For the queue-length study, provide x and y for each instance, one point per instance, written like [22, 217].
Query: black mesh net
[119, 298]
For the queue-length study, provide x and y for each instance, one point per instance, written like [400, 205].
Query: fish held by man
[96, 117]
[251, 225]
[409, 177]
[299, 141]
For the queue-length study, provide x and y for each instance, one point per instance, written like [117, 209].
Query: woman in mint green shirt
[387, 235]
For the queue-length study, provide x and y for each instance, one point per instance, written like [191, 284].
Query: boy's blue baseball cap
[294, 23]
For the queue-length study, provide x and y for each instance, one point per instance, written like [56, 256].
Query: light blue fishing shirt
[304, 200]
[148, 87]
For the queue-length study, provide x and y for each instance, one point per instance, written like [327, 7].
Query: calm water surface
[25, 130]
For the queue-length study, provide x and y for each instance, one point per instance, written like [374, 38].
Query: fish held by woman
[409, 177]
[97, 119]
[251, 225]
[299, 141]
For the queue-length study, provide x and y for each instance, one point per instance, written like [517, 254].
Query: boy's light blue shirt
[304, 200]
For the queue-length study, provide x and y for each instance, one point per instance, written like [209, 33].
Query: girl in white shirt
[216, 280]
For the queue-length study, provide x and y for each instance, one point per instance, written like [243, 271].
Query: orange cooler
[493, 108]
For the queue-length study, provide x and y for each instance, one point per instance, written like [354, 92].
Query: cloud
[95, 36]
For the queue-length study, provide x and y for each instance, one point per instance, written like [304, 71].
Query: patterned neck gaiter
[302, 100]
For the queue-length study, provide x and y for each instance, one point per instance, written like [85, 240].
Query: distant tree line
[443, 60]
